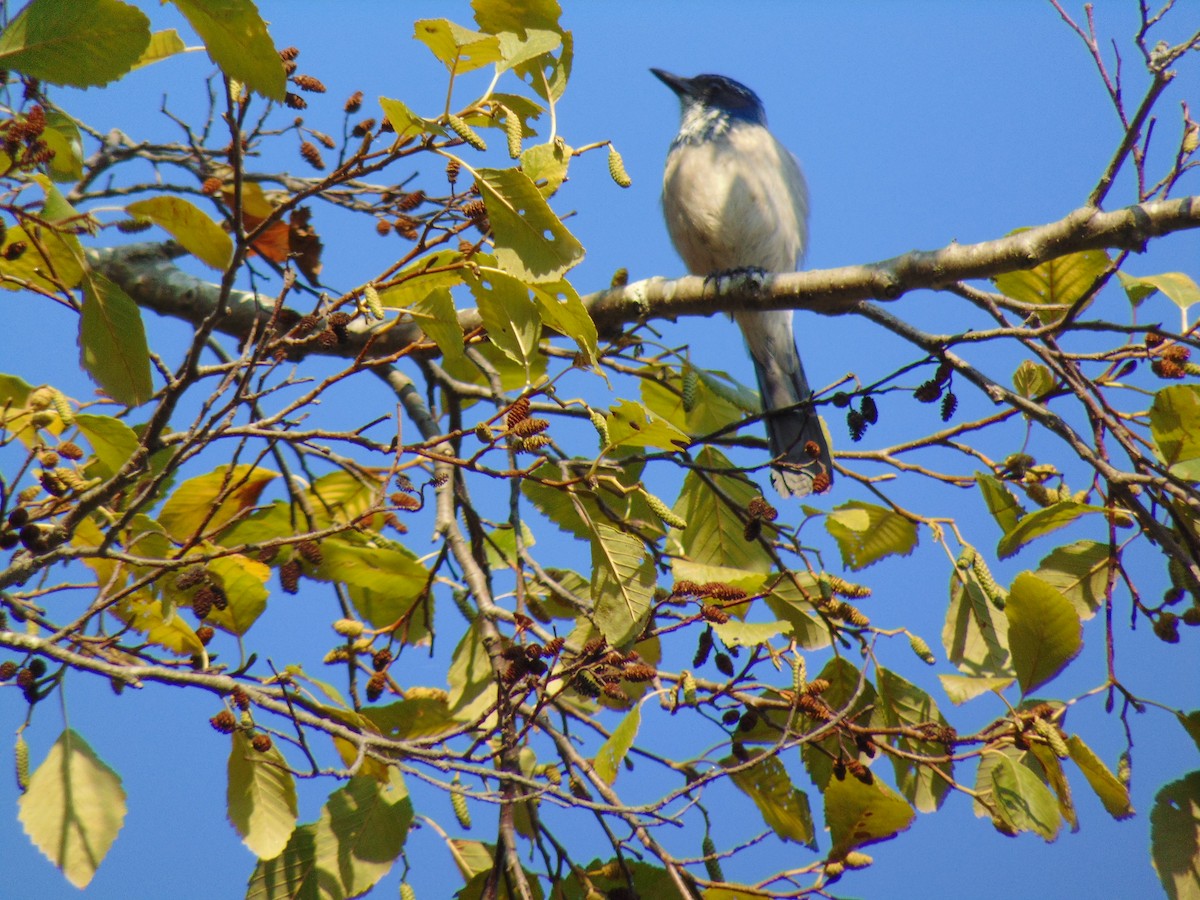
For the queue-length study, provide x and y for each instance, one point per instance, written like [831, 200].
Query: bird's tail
[794, 431]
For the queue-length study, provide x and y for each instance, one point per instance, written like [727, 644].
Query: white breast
[738, 200]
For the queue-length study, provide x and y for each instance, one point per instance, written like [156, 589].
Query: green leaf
[532, 243]
[975, 635]
[167, 629]
[199, 235]
[860, 814]
[749, 634]
[424, 712]
[1053, 776]
[73, 808]
[439, 320]
[459, 49]
[517, 49]
[715, 534]
[1032, 379]
[710, 411]
[866, 533]
[546, 165]
[1175, 837]
[903, 704]
[47, 252]
[244, 581]
[1056, 284]
[961, 688]
[783, 806]
[563, 310]
[237, 40]
[786, 601]
[62, 136]
[632, 425]
[1044, 631]
[1178, 287]
[1191, 724]
[613, 750]
[500, 547]
[623, 581]
[1041, 522]
[341, 497]
[213, 499]
[472, 682]
[407, 123]
[361, 831]
[1175, 427]
[850, 694]
[82, 43]
[112, 342]
[260, 797]
[375, 564]
[1113, 794]
[1022, 801]
[163, 44]
[574, 508]
[113, 441]
[1080, 572]
[512, 320]
[1002, 503]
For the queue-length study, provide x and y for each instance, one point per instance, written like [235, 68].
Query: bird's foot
[742, 276]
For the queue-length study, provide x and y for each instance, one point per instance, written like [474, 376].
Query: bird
[735, 199]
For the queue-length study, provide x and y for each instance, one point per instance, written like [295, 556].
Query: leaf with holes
[860, 814]
[532, 243]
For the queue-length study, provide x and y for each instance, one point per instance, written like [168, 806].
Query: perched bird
[735, 199]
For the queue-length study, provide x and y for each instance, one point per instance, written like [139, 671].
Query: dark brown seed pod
[261, 742]
[857, 424]
[949, 405]
[714, 614]
[311, 551]
[295, 101]
[289, 576]
[639, 673]
[375, 686]
[530, 427]
[870, 412]
[308, 83]
[704, 645]
[224, 722]
[354, 102]
[311, 155]
[724, 664]
[240, 699]
[928, 392]
[202, 603]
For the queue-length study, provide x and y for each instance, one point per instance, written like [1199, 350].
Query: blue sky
[917, 123]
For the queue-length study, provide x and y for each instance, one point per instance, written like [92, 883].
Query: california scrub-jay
[735, 198]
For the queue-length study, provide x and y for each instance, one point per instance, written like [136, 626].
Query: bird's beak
[681, 86]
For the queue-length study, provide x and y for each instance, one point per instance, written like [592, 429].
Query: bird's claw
[751, 276]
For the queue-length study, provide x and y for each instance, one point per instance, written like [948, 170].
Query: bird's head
[715, 94]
